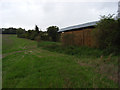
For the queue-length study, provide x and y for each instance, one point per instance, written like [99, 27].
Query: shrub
[45, 37]
[20, 32]
[107, 34]
[33, 35]
[38, 39]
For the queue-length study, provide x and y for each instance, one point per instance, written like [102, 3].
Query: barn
[81, 33]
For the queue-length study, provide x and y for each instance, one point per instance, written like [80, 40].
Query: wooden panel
[81, 37]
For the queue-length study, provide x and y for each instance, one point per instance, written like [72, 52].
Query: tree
[10, 30]
[34, 34]
[107, 34]
[20, 32]
[36, 29]
[52, 32]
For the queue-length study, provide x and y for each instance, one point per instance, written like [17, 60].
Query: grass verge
[26, 66]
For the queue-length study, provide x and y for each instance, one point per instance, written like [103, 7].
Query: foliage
[9, 30]
[20, 33]
[50, 35]
[52, 32]
[38, 39]
[82, 51]
[44, 36]
[107, 34]
[36, 29]
[34, 34]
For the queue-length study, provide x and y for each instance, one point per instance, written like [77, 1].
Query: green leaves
[107, 33]
[52, 32]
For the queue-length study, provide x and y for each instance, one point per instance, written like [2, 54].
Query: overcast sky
[45, 13]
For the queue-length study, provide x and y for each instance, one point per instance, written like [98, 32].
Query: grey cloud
[29, 12]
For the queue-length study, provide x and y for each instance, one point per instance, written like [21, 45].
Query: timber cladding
[79, 37]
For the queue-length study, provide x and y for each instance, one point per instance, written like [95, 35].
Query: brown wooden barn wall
[81, 37]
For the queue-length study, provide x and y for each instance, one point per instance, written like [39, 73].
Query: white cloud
[44, 13]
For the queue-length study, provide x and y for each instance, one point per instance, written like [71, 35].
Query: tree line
[50, 35]
[10, 30]
[36, 34]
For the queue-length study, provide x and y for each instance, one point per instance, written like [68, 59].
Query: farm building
[79, 34]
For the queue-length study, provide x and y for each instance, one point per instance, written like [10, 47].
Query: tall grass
[34, 67]
[82, 51]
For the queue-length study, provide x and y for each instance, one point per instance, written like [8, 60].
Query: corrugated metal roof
[78, 26]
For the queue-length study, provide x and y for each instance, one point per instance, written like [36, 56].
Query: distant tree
[52, 32]
[28, 34]
[34, 34]
[10, 30]
[36, 29]
[21, 33]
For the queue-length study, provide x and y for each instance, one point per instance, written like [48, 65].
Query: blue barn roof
[78, 26]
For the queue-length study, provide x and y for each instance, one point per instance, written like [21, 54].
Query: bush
[33, 35]
[45, 37]
[107, 34]
[38, 39]
[20, 33]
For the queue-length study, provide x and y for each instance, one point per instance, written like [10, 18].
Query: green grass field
[27, 66]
